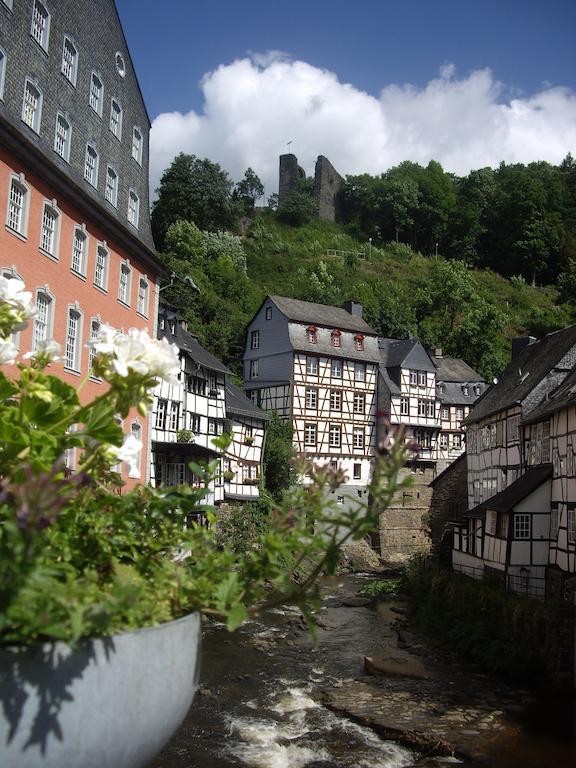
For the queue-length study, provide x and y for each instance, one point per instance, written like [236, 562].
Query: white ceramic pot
[110, 703]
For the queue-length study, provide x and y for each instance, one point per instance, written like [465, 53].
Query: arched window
[40, 29]
[116, 119]
[43, 321]
[134, 469]
[137, 142]
[32, 106]
[101, 268]
[69, 60]
[125, 283]
[143, 291]
[73, 346]
[50, 229]
[18, 199]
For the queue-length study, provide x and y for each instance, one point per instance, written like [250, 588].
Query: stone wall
[290, 173]
[402, 530]
[327, 190]
[449, 500]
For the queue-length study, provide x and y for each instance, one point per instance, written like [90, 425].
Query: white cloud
[254, 106]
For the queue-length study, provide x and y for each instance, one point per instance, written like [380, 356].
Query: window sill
[78, 274]
[99, 288]
[39, 45]
[49, 255]
[17, 234]
[72, 371]
[124, 304]
[143, 316]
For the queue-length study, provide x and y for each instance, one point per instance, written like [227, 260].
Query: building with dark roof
[521, 518]
[74, 178]
[201, 406]
[317, 365]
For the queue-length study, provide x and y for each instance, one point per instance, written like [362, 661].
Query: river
[259, 704]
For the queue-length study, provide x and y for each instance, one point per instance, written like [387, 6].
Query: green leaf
[235, 616]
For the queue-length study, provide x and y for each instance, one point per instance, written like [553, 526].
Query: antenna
[288, 145]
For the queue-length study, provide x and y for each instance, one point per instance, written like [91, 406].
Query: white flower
[136, 352]
[20, 301]
[8, 352]
[128, 452]
[48, 348]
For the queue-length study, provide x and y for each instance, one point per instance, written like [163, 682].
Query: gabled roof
[238, 403]
[453, 393]
[190, 344]
[321, 314]
[405, 353]
[516, 492]
[447, 470]
[525, 372]
[455, 369]
[563, 396]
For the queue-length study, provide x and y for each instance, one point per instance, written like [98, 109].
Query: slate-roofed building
[458, 387]
[74, 179]
[243, 460]
[317, 366]
[520, 521]
[187, 416]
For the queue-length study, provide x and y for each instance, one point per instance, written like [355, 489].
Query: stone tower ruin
[327, 185]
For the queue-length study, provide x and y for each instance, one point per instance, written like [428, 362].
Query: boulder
[396, 666]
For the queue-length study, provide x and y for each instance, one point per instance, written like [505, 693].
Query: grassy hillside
[469, 313]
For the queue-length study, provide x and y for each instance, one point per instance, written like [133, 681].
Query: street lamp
[369, 247]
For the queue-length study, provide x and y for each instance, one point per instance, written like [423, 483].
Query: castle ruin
[327, 185]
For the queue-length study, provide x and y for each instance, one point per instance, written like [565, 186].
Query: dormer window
[336, 339]
[466, 390]
[440, 389]
[477, 391]
[359, 342]
[312, 334]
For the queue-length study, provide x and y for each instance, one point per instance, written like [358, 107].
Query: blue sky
[366, 83]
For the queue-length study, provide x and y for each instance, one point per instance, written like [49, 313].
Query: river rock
[360, 558]
[356, 602]
[396, 666]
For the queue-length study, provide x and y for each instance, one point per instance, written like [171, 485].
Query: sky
[367, 83]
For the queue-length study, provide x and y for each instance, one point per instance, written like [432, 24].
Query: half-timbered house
[507, 525]
[317, 366]
[187, 416]
[458, 387]
[243, 459]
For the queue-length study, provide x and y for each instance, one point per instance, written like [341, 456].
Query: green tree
[248, 190]
[299, 207]
[193, 189]
[277, 461]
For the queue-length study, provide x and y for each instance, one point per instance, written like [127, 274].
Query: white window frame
[522, 527]
[413, 378]
[80, 230]
[255, 339]
[335, 400]
[268, 313]
[135, 470]
[359, 372]
[44, 39]
[445, 413]
[335, 368]
[51, 207]
[161, 415]
[444, 440]
[335, 435]
[114, 125]
[65, 154]
[24, 206]
[48, 323]
[111, 190]
[310, 434]
[73, 74]
[99, 100]
[143, 298]
[94, 181]
[457, 441]
[311, 398]
[76, 364]
[311, 365]
[357, 471]
[358, 437]
[421, 378]
[37, 116]
[359, 403]
[95, 324]
[133, 213]
[254, 369]
[102, 248]
[125, 289]
[137, 146]
[2, 72]
[404, 406]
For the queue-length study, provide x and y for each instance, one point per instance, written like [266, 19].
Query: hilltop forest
[463, 262]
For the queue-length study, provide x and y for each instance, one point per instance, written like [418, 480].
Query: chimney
[520, 342]
[353, 308]
[438, 352]
[183, 324]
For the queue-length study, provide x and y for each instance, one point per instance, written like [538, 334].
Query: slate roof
[453, 393]
[516, 492]
[563, 396]
[524, 373]
[406, 353]
[238, 403]
[455, 369]
[451, 467]
[321, 314]
[347, 350]
[190, 344]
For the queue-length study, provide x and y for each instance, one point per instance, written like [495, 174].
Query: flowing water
[258, 706]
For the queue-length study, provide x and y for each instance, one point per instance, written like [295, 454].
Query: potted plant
[248, 440]
[228, 475]
[101, 593]
[185, 436]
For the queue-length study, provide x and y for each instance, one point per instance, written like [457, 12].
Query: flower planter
[110, 703]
